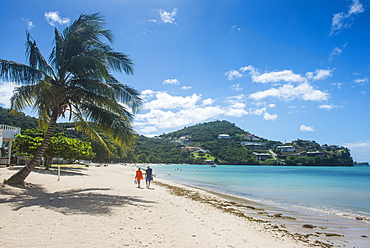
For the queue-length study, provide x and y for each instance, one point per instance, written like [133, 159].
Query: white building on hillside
[286, 148]
[223, 136]
[7, 135]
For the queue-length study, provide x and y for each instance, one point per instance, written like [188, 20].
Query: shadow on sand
[64, 171]
[90, 201]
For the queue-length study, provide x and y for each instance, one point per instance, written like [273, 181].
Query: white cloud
[288, 92]
[232, 74]
[361, 80]
[236, 87]
[259, 111]
[344, 19]
[236, 109]
[208, 101]
[6, 92]
[168, 17]
[163, 110]
[147, 93]
[267, 116]
[239, 97]
[186, 87]
[360, 150]
[336, 52]
[270, 117]
[170, 119]
[236, 28]
[272, 77]
[171, 81]
[281, 76]
[328, 107]
[339, 85]
[30, 24]
[259, 104]
[166, 101]
[319, 74]
[304, 128]
[148, 129]
[356, 8]
[54, 18]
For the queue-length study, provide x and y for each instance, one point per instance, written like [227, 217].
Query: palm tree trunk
[48, 162]
[20, 176]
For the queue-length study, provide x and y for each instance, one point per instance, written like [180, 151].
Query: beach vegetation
[60, 146]
[76, 82]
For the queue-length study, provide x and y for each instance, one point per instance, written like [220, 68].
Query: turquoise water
[341, 191]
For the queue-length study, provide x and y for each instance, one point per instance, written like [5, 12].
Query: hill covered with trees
[221, 142]
[202, 143]
[17, 119]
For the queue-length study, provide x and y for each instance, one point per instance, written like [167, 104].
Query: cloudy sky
[280, 69]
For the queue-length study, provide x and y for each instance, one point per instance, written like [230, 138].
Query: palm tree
[75, 81]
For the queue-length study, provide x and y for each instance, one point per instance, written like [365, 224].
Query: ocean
[341, 191]
[336, 196]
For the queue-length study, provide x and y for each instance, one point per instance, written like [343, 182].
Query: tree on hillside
[17, 119]
[75, 82]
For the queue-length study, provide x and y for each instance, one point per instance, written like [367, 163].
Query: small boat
[213, 165]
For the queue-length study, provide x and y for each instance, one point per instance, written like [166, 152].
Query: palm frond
[83, 126]
[56, 56]
[35, 58]
[116, 126]
[128, 95]
[19, 73]
[22, 97]
[120, 62]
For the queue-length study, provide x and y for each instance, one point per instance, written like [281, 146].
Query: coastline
[312, 226]
[324, 230]
[100, 206]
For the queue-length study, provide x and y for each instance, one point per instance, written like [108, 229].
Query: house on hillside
[254, 145]
[7, 135]
[209, 161]
[330, 147]
[193, 149]
[301, 141]
[261, 156]
[184, 138]
[251, 137]
[286, 148]
[316, 154]
[223, 136]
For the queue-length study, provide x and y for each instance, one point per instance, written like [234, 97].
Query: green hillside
[200, 144]
[207, 131]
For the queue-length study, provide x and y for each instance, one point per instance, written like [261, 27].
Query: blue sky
[280, 69]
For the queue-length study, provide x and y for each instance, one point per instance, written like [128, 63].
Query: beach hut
[7, 135]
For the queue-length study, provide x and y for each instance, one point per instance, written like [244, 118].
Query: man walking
[148, 176]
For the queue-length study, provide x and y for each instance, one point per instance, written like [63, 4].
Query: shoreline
[103, 204]
[307, 225]
[323, 231]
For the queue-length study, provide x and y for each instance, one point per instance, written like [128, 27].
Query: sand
[102, 207]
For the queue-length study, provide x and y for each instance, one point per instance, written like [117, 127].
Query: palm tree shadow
[89, 201]
[69, 171]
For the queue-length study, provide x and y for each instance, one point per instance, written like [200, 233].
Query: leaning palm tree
[75, 82]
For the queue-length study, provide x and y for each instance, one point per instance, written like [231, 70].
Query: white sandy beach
[101, 207]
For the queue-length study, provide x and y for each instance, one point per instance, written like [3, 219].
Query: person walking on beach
[139, 176]
[148, 176]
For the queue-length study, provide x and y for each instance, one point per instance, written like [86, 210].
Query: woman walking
[139, 176]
